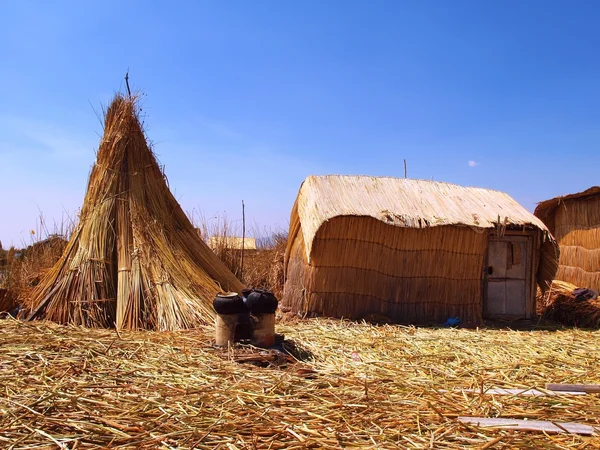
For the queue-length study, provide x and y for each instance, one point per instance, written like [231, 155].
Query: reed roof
[546, 208]
[404, 203]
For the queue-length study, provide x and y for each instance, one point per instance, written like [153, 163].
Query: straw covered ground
[365, 387]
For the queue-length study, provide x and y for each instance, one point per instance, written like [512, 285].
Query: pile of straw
[560, 305]
[557, 289]
[365, 387]
[134, 260]
[23, 273]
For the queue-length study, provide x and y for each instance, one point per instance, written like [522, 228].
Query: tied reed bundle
[134, 260]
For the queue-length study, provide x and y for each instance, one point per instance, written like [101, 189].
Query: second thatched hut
[413, 251]
[574, 220]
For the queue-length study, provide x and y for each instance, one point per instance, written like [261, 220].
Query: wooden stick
[124, 241]
[243, 239]
[127, 83]
[588, 388]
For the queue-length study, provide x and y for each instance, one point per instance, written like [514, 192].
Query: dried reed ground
[367, 386]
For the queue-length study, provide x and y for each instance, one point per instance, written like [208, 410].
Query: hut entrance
[507, 274]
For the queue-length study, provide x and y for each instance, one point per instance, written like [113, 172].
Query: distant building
[232, 242]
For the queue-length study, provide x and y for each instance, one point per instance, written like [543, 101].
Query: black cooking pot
[229, 303]
[261, 302]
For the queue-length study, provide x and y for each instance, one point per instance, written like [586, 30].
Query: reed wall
[297, 277]
[576, 226]
[361, 266]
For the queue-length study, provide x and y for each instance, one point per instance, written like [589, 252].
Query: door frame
[530, 273]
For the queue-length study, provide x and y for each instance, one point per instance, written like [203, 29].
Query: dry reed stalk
[126, 305]
[365, 387]
[134, 259]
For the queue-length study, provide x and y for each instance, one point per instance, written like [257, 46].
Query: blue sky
[244, 99]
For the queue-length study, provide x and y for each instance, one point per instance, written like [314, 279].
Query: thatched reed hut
[134, 260]
[574, 220]
[413, 251]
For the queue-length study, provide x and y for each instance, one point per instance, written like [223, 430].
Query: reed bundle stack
[134, 260]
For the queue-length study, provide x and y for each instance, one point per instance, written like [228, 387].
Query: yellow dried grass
[365, 387]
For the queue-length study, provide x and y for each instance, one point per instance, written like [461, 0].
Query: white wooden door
[507, 272]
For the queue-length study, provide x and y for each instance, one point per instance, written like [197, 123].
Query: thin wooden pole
[127, 83]
[589, 388]
[404, 168]
[243, 239]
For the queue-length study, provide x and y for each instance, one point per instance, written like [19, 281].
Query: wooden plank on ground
[532, 425]
[587, 388]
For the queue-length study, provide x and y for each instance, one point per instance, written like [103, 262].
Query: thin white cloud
[51, 139]
[472, 163]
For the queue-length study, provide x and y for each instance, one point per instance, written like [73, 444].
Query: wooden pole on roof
[127, 83]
